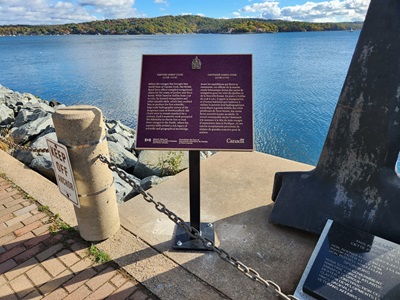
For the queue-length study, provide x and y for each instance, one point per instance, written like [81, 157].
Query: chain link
[191, 231]
[24, 148]
[194, 233]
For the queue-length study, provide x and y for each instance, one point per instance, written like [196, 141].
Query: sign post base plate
[184, 242]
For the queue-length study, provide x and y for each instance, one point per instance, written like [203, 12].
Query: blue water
[297, 77]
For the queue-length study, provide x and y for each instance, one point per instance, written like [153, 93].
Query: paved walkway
[39, 260]
[236, 188]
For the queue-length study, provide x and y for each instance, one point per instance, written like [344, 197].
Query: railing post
[81, 129]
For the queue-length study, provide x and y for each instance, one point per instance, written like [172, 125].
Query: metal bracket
[184, 242]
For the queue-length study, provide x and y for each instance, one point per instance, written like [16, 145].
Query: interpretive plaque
[350, 264]
[196, 102]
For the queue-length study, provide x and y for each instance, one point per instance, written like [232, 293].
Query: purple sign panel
[196, 102]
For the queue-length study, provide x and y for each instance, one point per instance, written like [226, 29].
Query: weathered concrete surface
[236, 188]
[235, 193]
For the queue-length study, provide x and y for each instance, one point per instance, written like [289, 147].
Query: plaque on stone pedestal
[348, 264]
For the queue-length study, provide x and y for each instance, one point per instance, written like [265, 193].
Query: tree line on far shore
[176, 25]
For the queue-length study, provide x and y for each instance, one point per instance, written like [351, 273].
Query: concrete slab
[236, 191]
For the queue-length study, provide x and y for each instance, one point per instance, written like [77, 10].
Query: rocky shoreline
[26, 120]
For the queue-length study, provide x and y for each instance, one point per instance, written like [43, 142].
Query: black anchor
[354, 182]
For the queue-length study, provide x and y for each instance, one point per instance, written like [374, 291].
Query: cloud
[326, 11]
[110, 9]
[269, 9]
[40, 12]
[107, 3]
[36, 12]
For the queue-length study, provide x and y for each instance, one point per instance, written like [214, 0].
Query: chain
[20, 147]
[194, 233]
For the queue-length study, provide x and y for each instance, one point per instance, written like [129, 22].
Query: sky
[44, 12]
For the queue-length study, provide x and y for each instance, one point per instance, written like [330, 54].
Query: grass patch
[56, 224]
[98, 255]
[44, 208]
[170, 165]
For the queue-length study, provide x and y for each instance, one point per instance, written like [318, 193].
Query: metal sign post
[182, 240]
[197, 103]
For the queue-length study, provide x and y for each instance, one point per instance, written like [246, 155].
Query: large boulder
[25, 98]
[29, 114]
[160, 163]
[121, 134]
[123, 190]
[16, 101]
[43, 165]
[33, 126]
[123, 158]
[39, 143]
[41, 162]
[6, 115]
[114, 126]
[40, 105]
[3, 93]
[151, 181]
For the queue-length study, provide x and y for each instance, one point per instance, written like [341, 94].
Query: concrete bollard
[81, 129]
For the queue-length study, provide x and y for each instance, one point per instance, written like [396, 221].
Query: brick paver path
[38, 264]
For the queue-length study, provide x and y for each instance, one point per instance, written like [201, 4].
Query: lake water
[297, 77]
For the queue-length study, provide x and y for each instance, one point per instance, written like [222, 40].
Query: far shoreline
[183, 24]
[167, 34]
